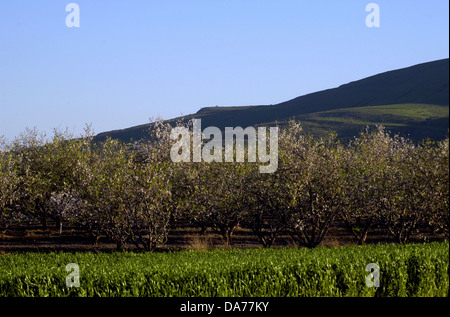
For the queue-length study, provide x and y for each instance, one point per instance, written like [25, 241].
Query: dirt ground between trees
[182, 237]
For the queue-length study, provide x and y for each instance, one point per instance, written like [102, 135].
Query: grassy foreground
[405, 270]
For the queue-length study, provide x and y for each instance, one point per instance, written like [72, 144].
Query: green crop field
[417, 121]
[417, 111]
[404, 270]
[401, 114]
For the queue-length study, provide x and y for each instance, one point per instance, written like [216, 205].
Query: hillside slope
[421, 86]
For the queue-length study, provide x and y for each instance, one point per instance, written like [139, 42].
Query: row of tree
[133, 193]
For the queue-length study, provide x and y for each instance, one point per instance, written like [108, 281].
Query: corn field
[404, 271]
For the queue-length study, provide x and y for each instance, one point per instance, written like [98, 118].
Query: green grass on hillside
[413, 111]
[416, 121]
[425, 83]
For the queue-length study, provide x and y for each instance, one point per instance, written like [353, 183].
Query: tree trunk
[59, 224]
[44, 222]
[227, 235]
[119, 245]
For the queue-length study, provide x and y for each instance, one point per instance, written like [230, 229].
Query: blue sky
[133, 60]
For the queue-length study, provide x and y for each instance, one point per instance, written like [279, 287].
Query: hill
[412, 101]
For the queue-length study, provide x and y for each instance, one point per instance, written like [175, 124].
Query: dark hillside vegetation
[424, 85]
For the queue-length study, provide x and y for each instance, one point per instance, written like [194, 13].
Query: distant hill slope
[417, 96]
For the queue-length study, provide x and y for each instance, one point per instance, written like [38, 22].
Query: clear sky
[132, 60]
